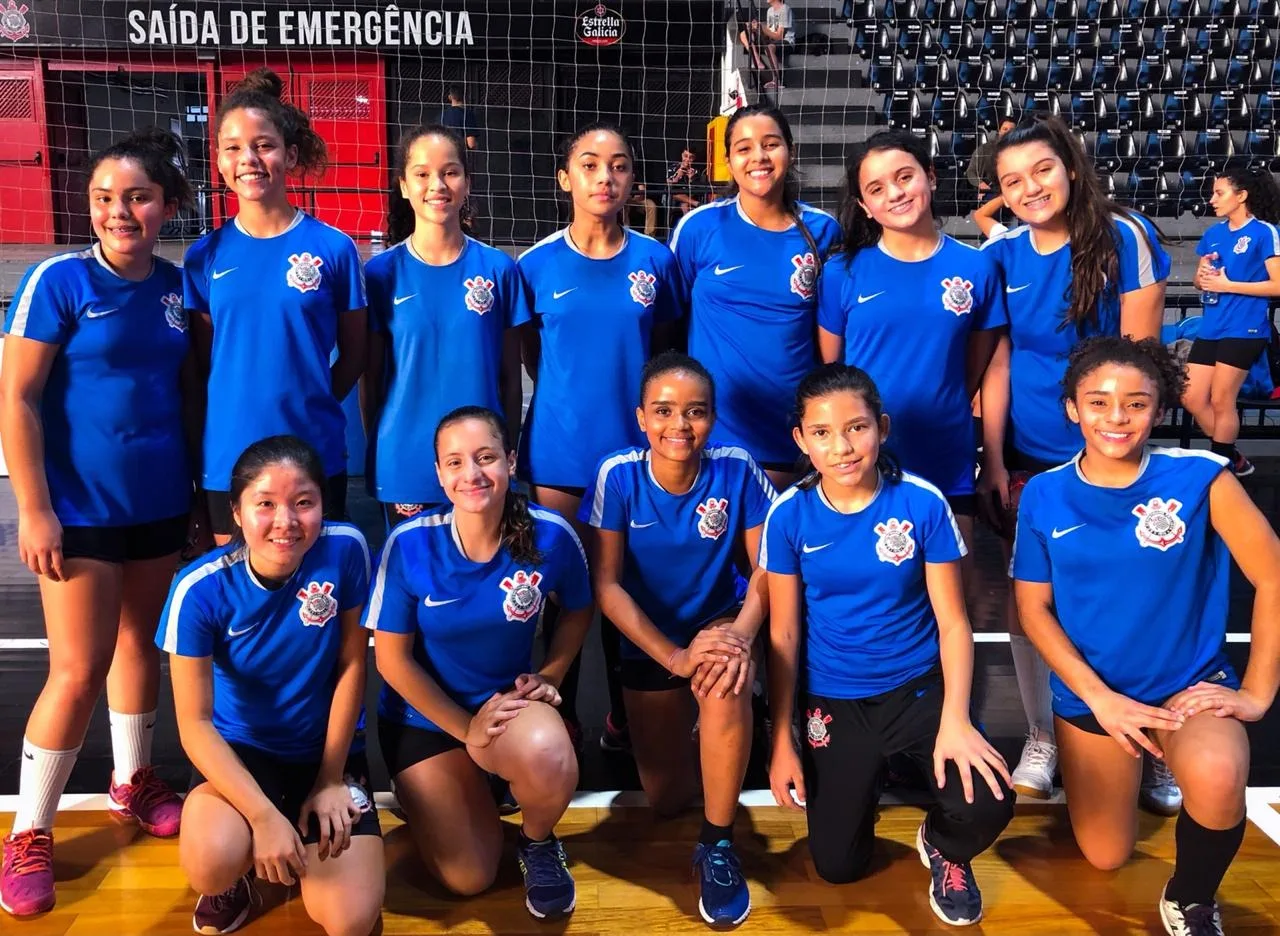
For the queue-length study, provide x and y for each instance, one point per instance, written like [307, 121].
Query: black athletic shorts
[1240, 353]
[406, 745]
[1222, 673]
[134, 543]
[645, 674]
[963, 505]
[288, 784]
[335, 505]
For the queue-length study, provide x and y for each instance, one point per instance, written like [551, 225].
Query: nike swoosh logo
[219, 274]
[435, 604]
[721, 271]
[1014, 289]
[813, 549]
[28, 755]
[1059, 534]
[99, 313]
[862, 298]
[238, 633]
[562, 293]
[400, 299]
[641, 526]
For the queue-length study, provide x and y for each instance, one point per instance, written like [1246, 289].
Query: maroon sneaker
[26, 884]
[148, 800]
[226, 912]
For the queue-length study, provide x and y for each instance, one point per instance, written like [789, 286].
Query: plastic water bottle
[1208, 297]
[376, 243]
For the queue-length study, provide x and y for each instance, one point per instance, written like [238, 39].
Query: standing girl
[455, 607]
[273, 292]
[268, 664]
[672, 518]
[1078, 265]
[96, 372]
[441, 306]
[750, 266]
[1240, 270]
[902, 291]
[864, 572]
[1176, 517]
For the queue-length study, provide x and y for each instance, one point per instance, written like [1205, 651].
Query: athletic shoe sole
[30, 913]
[235, 925]
[726, 922]
[1033, 792]
[551, 916]
[1159, 809]
[924, 860]
[125, 816]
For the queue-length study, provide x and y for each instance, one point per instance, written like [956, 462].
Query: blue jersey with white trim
[275, 303]
[753, 298]
[1243, 254]
[869, 626]
[678, 565]
[900, 320]
[111, 411]
[595, 319]
[1036, 290]
[473, 622]
[275, 651]
[1151, 619]
[444, 330]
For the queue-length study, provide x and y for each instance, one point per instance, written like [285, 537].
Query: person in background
[681, 177]
[982, 167]
[457, 116]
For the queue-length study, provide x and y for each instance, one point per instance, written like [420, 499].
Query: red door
[24, 158]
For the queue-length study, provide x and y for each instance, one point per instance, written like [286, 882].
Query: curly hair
[1259, 184]
[263, 90]
[161, 157]
[1149, 356]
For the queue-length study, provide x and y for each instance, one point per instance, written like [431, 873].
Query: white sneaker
[1034, 774]
[1159, 792]
[1190, 919]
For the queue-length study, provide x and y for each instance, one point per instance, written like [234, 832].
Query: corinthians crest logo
[174, 314]
[1241, 245]
[523, 600]
[816, 728]
[805, 276]
[319, 607]
[13, 21]
[713, 518]
[957, 295]
[479, 297]
[895, 543]
[643, 290]
[1159, 525]
[304, 272]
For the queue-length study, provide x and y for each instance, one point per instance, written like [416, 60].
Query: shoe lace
[30, 852]
[227, 899]
[954, 878]
[1201, 919]
[148, 790]
[1161, 775]
[544, 862]
[720, 865]
[1038, 753]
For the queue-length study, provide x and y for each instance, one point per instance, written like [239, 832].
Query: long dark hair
[1260, 185]
[860, 230]
[400, 217]
[790, 182]
[668, 362]
[840, 378]
[161, 157]
[565, 150]
[263, 90]
[516, 527]
[1150, 356]
[273, 450]
[1095, 258]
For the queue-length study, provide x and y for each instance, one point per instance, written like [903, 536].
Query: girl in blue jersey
[1139, 660]
[96, 373]
[455, 606]
[268, 663]
[672, 519]
[863, 565]
[903, 299]
[601, 296]
[441, 310]
[1240, 268]
[1078, 265]
[750, 265]
[273, 291]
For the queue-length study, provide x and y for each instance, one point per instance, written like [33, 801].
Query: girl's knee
[354, 915]
[1105, 852]
[840, 862]
[468, 878]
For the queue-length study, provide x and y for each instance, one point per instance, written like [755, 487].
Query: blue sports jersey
[275, 304]
[869, 625]
[111, 412]
[444, 328]
[679, 566]
[1152, 619]
[1036, 298]
[275, 652]
[753, 297]
[473, 622]
[1243, 254]
[901, 320]
[595, 318]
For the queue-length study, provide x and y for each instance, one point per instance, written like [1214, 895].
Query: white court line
[1259, 809]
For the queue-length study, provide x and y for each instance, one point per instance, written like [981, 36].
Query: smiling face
[1116, 406]
[280, 514]
[841, 435]
[472, 466]
[435, 182]
[127, 210]
[599, 174]
[252, 156]
[895, 189]
[676, 415]
[1035, 183]
[759, 156]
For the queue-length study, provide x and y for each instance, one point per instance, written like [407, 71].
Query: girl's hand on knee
[537, 688]
[1126, 721]
[278, 853]
[786, 773]
[963, 744]
[492, 718]
[1221, 700]
[335, 811]
[705, 677]
[709, 645]
[40, 543]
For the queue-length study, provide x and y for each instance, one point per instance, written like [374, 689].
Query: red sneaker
[26, 884]
[148, 800]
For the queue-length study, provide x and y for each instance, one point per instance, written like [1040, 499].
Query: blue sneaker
[725, 898]
[548, 885]
[954, 894]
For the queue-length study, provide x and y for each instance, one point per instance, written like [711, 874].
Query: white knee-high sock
[1033, 685]
[41, 780]
[131, 743]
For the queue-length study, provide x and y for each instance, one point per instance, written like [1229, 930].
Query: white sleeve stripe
[344, 529]
[564, 524]
[764, 536]
[675, 235]
[597, 499]
[1275, 239]
[374, 607]
[1142, 247]
[733, 451]
[185, 584]
[549, 239]
[22, 311]
[951, 518]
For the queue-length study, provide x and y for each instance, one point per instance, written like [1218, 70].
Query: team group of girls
[144, 407]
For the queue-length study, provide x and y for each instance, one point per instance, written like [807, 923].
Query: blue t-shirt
[275, 304]
[901, 320]
[1036, 298]
[753, 297]
[444, 328]
[1244, 254]
[679, 566]
[275, 652]
[473, 622]
[869, 625]
[595, 318]
[1139, 576]
[111, 412]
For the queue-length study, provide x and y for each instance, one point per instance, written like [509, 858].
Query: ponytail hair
[840, 378]
[515, 530]
[263, 90]
[161, 157]
[861, 230]
[1148, 356]
[401, 219]
[1259, 184]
